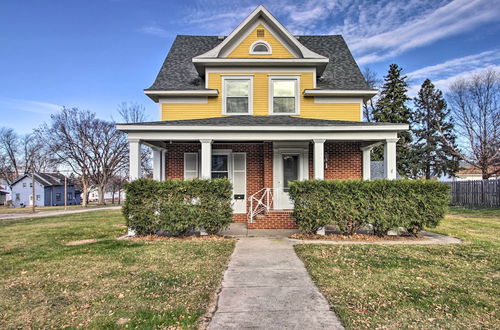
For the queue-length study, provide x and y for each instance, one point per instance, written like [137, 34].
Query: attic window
[260, 33]
[260, 48]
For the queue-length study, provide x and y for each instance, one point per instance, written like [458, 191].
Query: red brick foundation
[274, 220]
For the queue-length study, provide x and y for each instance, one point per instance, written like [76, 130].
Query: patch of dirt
[355, 237]
[119, 225]
[153, 238]
[80, 242]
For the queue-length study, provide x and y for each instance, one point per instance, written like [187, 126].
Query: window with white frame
[220, 166]
[237, 95]
[284, 95]
[260, 48]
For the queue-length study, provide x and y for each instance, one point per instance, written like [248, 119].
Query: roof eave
[156, 94]
[365, 94]
[227, 128]
[200, 63]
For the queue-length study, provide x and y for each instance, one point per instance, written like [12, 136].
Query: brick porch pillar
[268, 164]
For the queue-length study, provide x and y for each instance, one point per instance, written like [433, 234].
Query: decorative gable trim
[261, 11]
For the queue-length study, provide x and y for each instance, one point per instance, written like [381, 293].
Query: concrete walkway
[53, 213]
[266, 286]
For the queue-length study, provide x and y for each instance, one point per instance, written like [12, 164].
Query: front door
[291, 169]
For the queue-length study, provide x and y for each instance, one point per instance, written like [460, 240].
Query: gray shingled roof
[179, 73]
[47, 179]
[259, 121]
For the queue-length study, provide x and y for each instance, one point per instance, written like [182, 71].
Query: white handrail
[260, 202]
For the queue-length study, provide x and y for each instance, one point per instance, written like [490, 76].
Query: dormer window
[260, 48]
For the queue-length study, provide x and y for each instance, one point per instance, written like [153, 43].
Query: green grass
[46, 284]
[424, 287]
[28, 209]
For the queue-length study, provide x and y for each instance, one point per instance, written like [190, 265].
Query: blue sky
[95, 54]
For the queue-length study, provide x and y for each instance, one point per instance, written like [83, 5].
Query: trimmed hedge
[385, 204]
[178, 206]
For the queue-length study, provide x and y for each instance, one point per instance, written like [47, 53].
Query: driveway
[266, 286]
[53, 213]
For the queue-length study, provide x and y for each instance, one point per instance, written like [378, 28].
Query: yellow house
[261, 107]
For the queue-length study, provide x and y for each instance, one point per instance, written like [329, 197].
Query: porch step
[276, 219]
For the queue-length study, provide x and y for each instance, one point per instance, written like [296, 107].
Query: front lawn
[47, 284]
[393, 287]
[28, 209]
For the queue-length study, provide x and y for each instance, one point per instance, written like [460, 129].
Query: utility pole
[33, 191]
[65, 193]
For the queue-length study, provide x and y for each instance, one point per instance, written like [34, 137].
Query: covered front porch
[260, 160]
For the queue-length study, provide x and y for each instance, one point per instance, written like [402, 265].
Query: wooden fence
[475, 193]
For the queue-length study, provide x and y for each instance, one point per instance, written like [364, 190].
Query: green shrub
[178, 206]
[385, 204]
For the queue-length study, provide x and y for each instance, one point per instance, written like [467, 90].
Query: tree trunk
[100, 191]
[85, 194]
[119, 196]
[113, 196]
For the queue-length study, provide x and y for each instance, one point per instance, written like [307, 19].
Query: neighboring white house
[471, 173]
[22, 193]
[108, 196]
[5, 192]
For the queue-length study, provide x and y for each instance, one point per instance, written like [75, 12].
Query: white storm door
[239, 179]
[290, 168]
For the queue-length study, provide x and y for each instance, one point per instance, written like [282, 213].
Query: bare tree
[474, 102]
[131, 112]
[36, 156]
[67, 136]
[374, 82]
[9, 149]
[109, 152]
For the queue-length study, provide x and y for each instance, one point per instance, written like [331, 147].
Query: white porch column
[319, 159]
[206, 159]
[163, 176]
[366, 151]
[157, 164]
[135, 159]
[390, 159]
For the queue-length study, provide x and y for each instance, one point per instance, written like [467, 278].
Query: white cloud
[445, 82]
[450, 19]
[457, 65]
[13, 104]
[154, 30]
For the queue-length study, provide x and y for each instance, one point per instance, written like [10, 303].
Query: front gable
[260, 34]
[287, 44]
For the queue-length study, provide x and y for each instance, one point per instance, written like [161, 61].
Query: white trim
[183, 100]
[339, 92]
[296, 78]
[253, 69]
[234, 44]
[260, 42]
[244, 171]
[261, 11]
[337, 100]
[260, 61]
[210, 92]
[301, 149]
[346, 128]
[224, 93]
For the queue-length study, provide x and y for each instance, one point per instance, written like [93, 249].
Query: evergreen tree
[391, 107]
[432, 120]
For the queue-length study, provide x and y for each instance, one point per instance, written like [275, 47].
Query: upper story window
[284, 93]
[237, 95]
[260, 48]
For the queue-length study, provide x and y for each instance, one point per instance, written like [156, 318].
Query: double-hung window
[284, 98]
[220, 166]
[237, 95]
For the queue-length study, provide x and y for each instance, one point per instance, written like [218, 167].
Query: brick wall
[344, 162]
[274, 220]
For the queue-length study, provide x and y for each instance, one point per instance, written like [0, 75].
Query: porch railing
[260, 202]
